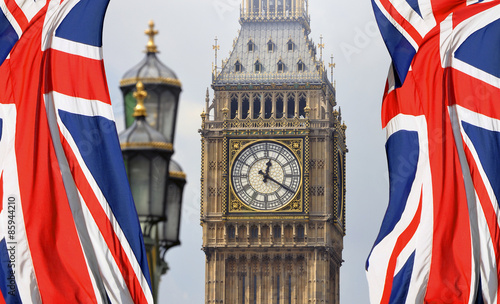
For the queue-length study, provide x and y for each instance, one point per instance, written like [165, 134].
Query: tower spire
[216, 47]
[151, 32]
[321, 46]
[332, 66]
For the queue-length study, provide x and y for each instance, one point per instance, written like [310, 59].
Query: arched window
[290, 45]
[268, 105]
[251, 46]
[288, 233]
[291, 106]
[255, 6]
[258, 67]
[242, 233]
[238, 67]
[265, 233]
[234, 106]
[231, 232]
[254, 232]
[245, 106]
[301, 66]
[277, 232]
[256, 106]
[302, 105]
[288, 7]
[272, 6]
[300, 233]
[280, 7]
[279, 105]
[281, 66]
[270, 46]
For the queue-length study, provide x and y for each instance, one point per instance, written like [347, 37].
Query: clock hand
[268, 164]
[266, 176]
[280, 184]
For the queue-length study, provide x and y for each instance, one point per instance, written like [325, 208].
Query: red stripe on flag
[401, 21]
[18, 14]
[59, 265]
[6, 96]
[1, 192]
[473, 94]
[401, 243]
[2, 298]
[404, 100]
[442, 8]
[87, 81]
[105, 227]
[450, 272]
[462, 15]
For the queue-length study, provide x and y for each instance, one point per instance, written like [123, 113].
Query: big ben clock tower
[273, 165]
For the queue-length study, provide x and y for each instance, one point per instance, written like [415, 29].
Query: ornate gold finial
[307, 110]
[332, 66]
[225, 111]
[321, 46]
[140, 95]
[151, 32]
[335, 114]
[216, 48]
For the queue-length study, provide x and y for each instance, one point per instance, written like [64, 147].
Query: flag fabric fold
[69, 232]
[440, 238]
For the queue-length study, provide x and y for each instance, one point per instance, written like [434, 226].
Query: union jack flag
[69, 231]
[440, 238]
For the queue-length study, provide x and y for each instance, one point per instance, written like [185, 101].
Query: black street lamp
[157, 182]
[168, 232]
[147, 155]
[163, 88]
[157, 185]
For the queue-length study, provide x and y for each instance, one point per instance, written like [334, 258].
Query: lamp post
[158, 198]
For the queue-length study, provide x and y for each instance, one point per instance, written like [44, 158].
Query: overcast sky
[187, 31]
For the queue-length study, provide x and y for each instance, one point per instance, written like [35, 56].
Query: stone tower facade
[273, 165]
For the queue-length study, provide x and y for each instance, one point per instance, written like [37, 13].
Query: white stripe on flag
[30, 8]
[25, 273]
[75, 204]
[75, 48]
[485, 262]
[11, 19]
[403, 32]
[82, 106]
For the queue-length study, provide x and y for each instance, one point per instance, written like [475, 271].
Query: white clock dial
[266, 175]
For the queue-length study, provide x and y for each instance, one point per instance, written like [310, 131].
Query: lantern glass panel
[168, 109]
[158, 182]
[173, 213]
[138, 174]
[151, 104]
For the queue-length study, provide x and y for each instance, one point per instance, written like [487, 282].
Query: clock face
[266, 176]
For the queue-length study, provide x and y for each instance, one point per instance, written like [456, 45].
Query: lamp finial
[140, 95]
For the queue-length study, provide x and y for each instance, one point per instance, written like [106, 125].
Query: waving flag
[440, 238]
[69, 232]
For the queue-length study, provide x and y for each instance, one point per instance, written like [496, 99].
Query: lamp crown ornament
[140, 95]
[151, 32]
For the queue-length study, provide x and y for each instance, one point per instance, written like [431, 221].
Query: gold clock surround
[296, 208]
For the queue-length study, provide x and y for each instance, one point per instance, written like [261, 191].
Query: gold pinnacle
[140, 95]
[151, 32]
